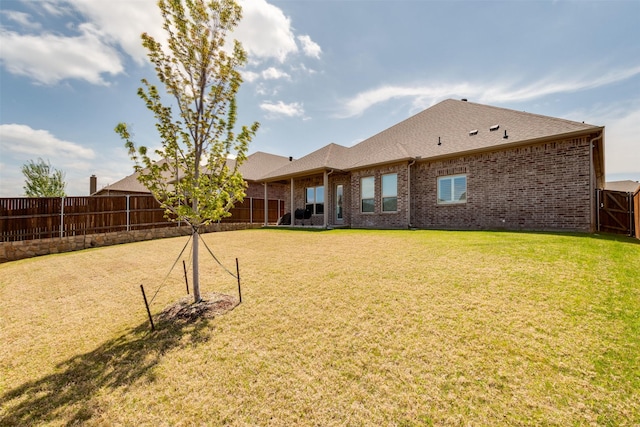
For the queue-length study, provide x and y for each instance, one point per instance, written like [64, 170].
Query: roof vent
[439, 143]
[464, 99]
[505, 135]
[494, 127]
[473, 132]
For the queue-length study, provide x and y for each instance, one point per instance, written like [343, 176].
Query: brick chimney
[93, 184]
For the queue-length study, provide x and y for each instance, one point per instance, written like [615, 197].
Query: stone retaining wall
[12, 251]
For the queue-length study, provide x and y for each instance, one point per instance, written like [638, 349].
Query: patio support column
[326, 199]
[266, 206]
[291, 208]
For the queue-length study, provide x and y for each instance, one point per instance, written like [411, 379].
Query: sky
[319, 72]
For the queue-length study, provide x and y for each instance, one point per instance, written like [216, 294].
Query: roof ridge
[520, 112]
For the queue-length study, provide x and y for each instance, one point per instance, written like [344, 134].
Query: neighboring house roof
[259, 164]
[129, 184]
[626, 186]
[256, 166]
[459, 126]
[332, 156]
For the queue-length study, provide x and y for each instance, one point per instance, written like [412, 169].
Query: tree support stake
[238, 276]
[153, 328]
[186, 278]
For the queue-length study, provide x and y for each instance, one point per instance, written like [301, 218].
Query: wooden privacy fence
[636, 213]
[619, 212]
[26, 218]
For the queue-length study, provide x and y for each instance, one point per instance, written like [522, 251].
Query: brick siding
[378, 218]
[275, 191]
[299, 199]
[539, 187]
[536, 187]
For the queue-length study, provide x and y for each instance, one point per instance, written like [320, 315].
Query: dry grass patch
[340, 327]
[187, 311]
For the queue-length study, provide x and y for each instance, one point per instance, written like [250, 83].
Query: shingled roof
[259, 164]
[450, 127]
[332, 156]
[627, 186]
[254, 168]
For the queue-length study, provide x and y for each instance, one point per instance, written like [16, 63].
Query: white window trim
[368, 198]
[452, 178]
[315, 199]
[383, 196]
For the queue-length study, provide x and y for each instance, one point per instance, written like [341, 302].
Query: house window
[367, 194]
[315, 200]
[390, 192]
[452, 189]
[339, 202]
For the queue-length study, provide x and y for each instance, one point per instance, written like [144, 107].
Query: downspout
[411, 163]
[594, 210]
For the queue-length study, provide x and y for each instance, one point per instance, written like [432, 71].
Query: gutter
[515, 144]
[595, 212]
[300, 174]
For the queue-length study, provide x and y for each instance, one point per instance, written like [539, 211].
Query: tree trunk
[196, 274]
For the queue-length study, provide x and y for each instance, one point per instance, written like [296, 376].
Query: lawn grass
[341, 327]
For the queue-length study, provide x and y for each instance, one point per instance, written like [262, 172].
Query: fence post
[128, 214]
[250, 210]
[266, 205]
[630, 203]
[61, 217]
[598, 210]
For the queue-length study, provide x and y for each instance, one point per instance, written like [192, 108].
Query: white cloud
[122, 22]
[250, 76]
[265, 31]
[272, 73]
[426, 95]
[23, 139]
[622, 127]
[309, 47]
[20, 143]
[50, 58]
[52, 7]
[421, 94]
[621, 144]
[21, 18]
[553, 84]
[303, 69]
[295, 109]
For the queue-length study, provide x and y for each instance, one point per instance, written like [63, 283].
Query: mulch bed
[211, 305]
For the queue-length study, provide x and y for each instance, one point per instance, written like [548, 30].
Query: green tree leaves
[42, 180]
[196, 173]
[194, 178]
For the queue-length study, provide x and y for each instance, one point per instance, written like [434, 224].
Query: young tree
[194, 181]
[42, 180]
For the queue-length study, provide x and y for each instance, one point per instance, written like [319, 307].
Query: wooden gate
[615, 212]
